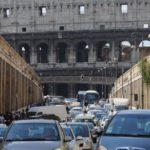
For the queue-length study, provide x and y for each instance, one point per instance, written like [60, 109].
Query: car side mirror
[67, 139]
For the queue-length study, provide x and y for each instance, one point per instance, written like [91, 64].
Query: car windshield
[80, 97]
[91, 97]
[67, 132]
[80, 130]
[129, 125]
[90, 125]
[98, 115]
[33, 131]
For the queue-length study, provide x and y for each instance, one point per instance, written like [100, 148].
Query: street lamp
[40, 49]
[23, 51]
[101, 74]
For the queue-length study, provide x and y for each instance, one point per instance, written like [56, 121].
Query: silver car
[72, 145]
[37, 134]
[81, 130]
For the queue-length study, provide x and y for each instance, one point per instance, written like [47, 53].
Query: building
[19, 84]
[134, 84]
[76, 45]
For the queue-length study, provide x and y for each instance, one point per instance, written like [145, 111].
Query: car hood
[111, 143]
[31, 145]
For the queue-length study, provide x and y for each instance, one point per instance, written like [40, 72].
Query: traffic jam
[81, 123]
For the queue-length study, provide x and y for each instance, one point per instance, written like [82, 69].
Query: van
[57, 110]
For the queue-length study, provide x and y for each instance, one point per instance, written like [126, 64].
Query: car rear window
[80, 130]
[33, 131]
[131, 125]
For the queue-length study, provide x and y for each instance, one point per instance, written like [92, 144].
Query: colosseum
[77, 44]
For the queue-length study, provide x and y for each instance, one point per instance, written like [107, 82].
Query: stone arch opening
[144, 48]
[42, 53]
[103, 50]
[82, 52]
[61, 53]
[24, 51]
[125, 51]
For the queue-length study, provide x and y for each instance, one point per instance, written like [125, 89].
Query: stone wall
[131, 85]
[54, 15]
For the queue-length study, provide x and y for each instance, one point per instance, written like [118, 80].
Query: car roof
[138, 111]
[84, 116]
[63, 125]
[34, 121]
[76, 123]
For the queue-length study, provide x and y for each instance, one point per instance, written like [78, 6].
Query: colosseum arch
[24, 51]
[82, 51]
[61, 52]
[42, 53]
[103, 49]
[125, 51]
[144, 48]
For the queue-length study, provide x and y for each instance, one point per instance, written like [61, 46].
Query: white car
[75, 111]
[84, 118]
[82, 130]
[72, 145]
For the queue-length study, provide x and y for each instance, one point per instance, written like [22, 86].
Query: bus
[88, 97]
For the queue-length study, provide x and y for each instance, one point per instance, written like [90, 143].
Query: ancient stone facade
[77, 45]
[132, 86]
[55, 15]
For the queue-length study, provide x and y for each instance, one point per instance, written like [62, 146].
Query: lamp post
[101, 77]
[105, 82]
[115, 62]
[23, 51]
[40, 49]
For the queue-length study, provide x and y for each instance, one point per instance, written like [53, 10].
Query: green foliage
[145, 70]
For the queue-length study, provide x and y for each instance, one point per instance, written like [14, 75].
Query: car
[35, 134]
[75, 111]
[72, 145]
[81, 130]
[84, 118]
[93, 130]
[127, 130]
[96, 111]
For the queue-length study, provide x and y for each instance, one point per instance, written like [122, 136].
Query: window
[102, 27]
[61, 28]
[24, 29]
[81, 10]
[136, 97]
[145, 26]
[124, 8]
[42, 10]
[6, 12]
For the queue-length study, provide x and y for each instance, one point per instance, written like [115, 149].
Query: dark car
[127, 130]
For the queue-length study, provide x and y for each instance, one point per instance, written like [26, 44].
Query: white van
[39, 111]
